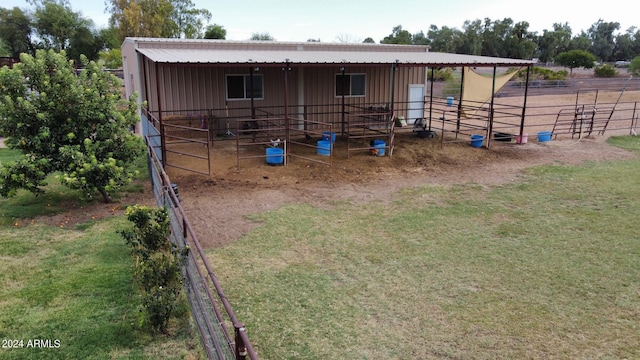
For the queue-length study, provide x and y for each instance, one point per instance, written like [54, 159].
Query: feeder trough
[500, 136]
[544, 136]
[476, 140]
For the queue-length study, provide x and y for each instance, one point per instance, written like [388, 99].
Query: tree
[602, 44]
[215, 31]
[369, 40]
[56, 23]
[87, 42]
[75, 123]
[157, 18]
[398, 36]
[494, 37]
[16, 30]
[624, 49]
[580, 42]
[575, 59]
[520, 43]
[112, 58]
[471, 40]
[189, 20]
[347, 38]
[4, 49]
[553, 42]
[265, 36]
[420, 38]
[445, 39]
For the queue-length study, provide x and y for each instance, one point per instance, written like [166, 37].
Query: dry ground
[217, 205]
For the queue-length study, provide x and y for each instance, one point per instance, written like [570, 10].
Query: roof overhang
[249, 57]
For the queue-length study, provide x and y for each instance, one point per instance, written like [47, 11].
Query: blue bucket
[380, 146]
[476, 140]
[544, 136]
[450, 101]
[275, 156]
[329, 135]
[324, 147]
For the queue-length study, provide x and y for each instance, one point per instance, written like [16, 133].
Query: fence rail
[210, 307]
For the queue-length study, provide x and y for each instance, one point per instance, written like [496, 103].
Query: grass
[73, 287]
[542, 268]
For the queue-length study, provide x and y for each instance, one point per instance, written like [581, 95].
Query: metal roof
[301, 57]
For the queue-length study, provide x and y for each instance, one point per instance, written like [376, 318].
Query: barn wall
[201, 90]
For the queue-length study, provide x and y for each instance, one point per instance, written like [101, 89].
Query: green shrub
[604, 71]
[634, 66]
[158, 264]
[540, 73]
[440, 74]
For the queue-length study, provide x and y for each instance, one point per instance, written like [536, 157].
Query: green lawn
[71, 289]
[547, 267]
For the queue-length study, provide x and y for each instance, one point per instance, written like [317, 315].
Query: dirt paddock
[217, 205]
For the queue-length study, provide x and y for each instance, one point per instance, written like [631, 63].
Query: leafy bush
[634, 66]
[540, 73]
[157, 266]
[575, 59]
[440, 74]
[604, 71]
[72, 123]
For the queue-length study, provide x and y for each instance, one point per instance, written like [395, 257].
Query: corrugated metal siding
[201, 90]
[320, 90]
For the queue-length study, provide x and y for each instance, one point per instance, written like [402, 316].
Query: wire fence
[210, 308]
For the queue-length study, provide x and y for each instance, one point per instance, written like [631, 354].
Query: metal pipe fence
[210, 307]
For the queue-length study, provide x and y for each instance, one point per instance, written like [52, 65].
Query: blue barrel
[275, 156]
[329, 135]
[450, 101]
[324, 147]
[379, 145]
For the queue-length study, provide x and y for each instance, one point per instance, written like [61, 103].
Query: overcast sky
[331, 20]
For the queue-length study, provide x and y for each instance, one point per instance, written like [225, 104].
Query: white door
[416, 103]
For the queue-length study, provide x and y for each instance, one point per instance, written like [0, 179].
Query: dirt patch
[80, 212]
[217, 205]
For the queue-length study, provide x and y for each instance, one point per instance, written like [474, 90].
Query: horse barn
[298, 98]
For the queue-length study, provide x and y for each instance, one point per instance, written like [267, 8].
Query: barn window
[350, 84]
[239, 87]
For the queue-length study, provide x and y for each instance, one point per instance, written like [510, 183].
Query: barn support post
[286, 108]
[491, 112]
[393, 84]
[524, 105]
[460, 103]
[342, 69]
[163, 142]
[253, 109]
[146, 81]
[431, 97]
[390, 128]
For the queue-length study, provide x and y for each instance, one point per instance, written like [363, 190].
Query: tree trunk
[105, 196]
